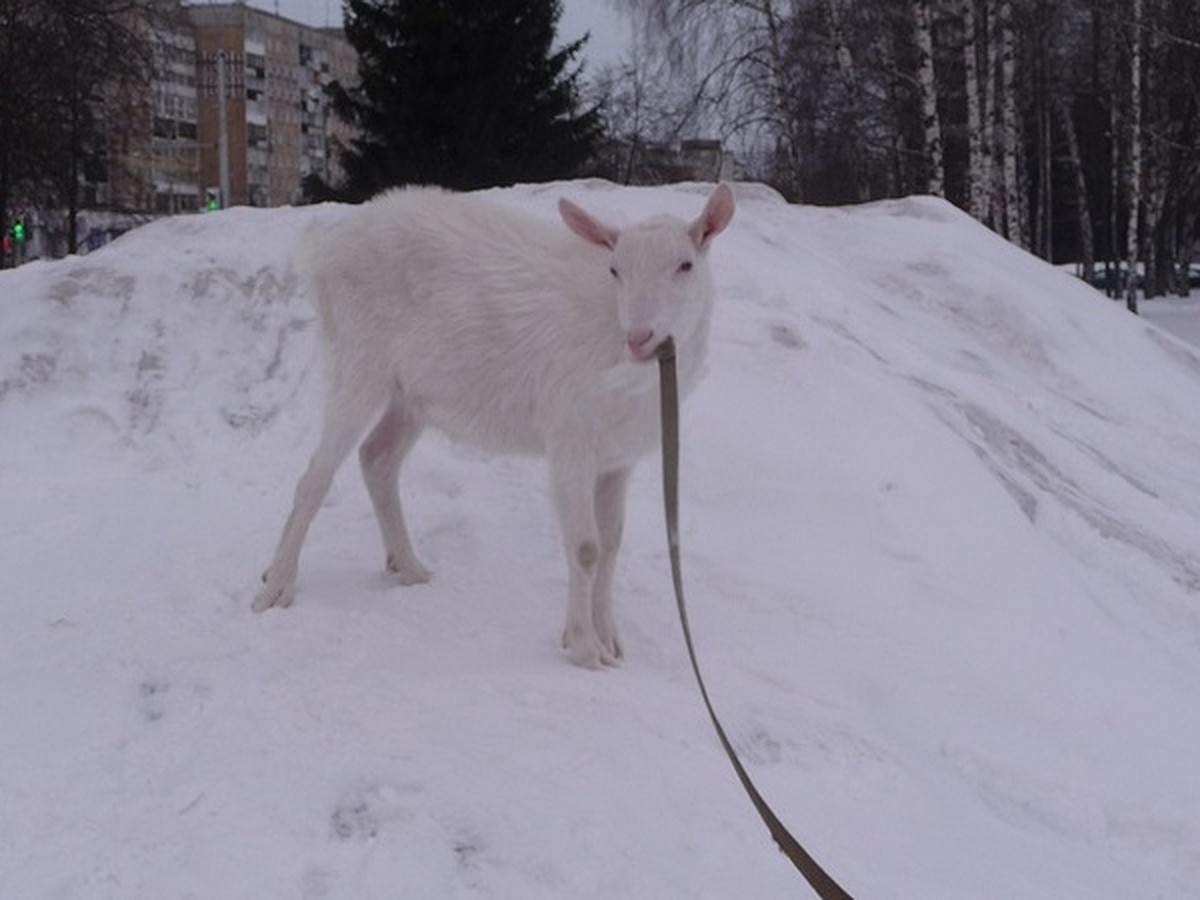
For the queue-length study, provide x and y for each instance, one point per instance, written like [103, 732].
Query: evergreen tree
[461, 94]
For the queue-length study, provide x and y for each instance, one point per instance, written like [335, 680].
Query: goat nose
[641, 342]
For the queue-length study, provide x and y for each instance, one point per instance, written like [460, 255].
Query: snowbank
[941, 505]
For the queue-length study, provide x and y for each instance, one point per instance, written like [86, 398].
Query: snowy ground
[941, 510]
[1178, 315]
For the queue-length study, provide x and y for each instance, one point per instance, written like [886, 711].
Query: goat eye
[613, 271]
[685, 266]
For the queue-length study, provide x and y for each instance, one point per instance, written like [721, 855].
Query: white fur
[511, 334]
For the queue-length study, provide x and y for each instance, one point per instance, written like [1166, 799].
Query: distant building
[708, 160]
[278, 120]
[279, 127]
[653, 163]
[176, 143]
[152, 143]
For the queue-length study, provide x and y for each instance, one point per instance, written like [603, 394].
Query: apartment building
[152, 138]
[278, 126]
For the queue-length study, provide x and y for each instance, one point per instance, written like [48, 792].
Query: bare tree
[1171, 144]
[931, 125]
[1087, 249]
[731, 61]
[979, 155]
[1070, 126]
[990, 106]
[25, 98]
[66, 53]
[642, 112]
[803, 88]
[1010, 137]
[851, 80]
[1134, 185]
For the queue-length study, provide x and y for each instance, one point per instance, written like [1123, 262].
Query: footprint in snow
[153, 699]
[354, 821]
[363, 813]
[787, 336]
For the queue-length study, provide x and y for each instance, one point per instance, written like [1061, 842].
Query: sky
[609, 33]
[608, 29]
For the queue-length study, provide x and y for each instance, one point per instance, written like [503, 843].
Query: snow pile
[940, 508]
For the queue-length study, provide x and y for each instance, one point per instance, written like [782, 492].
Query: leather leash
[821, 882]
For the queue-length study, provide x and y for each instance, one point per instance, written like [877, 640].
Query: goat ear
[585, 226]
[717, 214]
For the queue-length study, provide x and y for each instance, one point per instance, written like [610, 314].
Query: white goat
[505, 332]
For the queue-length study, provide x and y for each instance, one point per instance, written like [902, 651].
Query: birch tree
[1010, 138]
[1075, 131]
[1171, 144]
[931, 126]
[1134, 174]
[729, 63]
[989, 107]
[1112, 279]
[979, 159]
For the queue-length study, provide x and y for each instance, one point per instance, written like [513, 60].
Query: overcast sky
[610, 34]
[609, 30]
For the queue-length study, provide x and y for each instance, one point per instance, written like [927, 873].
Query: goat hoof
[606, 634]
[587, 652]
[270, 597]
[408, 571]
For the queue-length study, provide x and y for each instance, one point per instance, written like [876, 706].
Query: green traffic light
[18, 231]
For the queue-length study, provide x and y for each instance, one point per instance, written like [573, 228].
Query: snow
[940, 505]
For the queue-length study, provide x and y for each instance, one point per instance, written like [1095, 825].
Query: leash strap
[822, 883]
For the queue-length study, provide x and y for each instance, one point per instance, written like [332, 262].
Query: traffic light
[18, 231]
[212, 200]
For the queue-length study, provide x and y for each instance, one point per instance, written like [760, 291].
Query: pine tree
[462, 94]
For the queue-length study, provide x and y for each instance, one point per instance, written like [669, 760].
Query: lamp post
[222, 132]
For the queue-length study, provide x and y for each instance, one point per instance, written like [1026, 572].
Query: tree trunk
[927, 85]
[1155, 248]
[4, 200]
[1008, 99]
[848, 72]
[1160, 132]
[1047, 183]
[1135, 156]
[978, 160]
[1187, 244]
[784, 93]
[988, 112]
[9, 120]
[1115, 280]
[1083, 213]
[70, 187]
[1041, 227]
